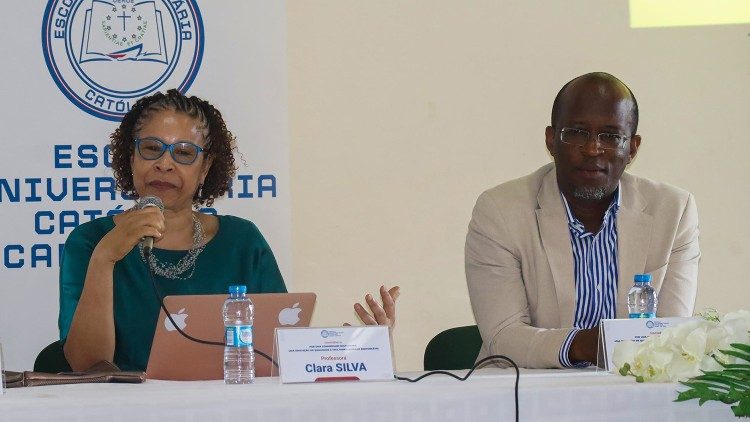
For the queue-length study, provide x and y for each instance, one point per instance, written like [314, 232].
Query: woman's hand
[91, 337]
[130, 228]
[380, 315]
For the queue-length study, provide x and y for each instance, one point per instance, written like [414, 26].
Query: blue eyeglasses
[152, 148]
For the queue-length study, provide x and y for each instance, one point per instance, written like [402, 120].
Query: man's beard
[589, 193]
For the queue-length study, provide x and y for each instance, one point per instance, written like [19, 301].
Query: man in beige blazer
[519, 255]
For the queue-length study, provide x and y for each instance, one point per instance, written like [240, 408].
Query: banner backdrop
[71, 69]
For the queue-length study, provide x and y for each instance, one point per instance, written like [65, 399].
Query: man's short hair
[601, 76]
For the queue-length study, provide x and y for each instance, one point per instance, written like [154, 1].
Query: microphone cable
[184, 334]
[468, 374]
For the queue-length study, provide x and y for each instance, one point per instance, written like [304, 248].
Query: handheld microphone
[149, 201]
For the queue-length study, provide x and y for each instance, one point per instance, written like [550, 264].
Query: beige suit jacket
[519, 261]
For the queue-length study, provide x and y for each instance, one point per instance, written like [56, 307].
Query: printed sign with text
[614, 331]
[334, 354]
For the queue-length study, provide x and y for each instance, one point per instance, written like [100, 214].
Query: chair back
[52, 359]
[454, 348]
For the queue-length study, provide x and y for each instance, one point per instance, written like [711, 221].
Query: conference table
[544, 395]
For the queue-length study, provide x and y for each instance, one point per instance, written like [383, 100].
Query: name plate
[334, 354]
[613, 331]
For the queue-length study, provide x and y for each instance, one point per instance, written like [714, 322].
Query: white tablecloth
[570, 395]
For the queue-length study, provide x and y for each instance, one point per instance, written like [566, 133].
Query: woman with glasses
[178, 149]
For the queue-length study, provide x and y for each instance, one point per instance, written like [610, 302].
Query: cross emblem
[124, 16]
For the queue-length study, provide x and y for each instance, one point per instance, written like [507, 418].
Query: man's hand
[584, 346]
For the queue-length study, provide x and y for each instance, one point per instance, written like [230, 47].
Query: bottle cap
[237, 290]
[642, 278]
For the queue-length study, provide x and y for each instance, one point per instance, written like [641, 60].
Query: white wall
[402, 112]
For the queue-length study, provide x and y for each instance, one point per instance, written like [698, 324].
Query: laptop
[174, 357]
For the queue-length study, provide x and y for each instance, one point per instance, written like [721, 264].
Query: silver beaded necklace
[187, 262]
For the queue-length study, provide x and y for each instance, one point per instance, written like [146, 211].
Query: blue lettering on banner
[36, 255]
[87, 156]
[104, 185]
[35, 189]
[107, 157]
[12, 262]
[41, 253]
[61, 154]
[69, 220]
[245, 178]
[264, 183]
[39, 217]
[33, 197]
[51, 193]
[78, 189]
[81, 188]
[47, 222]
[12, 194]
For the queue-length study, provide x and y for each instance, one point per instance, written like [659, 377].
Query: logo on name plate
[656, 324]
[106, 54]
[331, 333]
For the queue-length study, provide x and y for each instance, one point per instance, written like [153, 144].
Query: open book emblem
[127, 32]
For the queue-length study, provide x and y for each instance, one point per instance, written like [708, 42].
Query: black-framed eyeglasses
[580, 137]
[152, 148]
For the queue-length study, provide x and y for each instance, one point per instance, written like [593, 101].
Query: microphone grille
[149, 201]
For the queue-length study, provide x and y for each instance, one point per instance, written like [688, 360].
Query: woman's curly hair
[220, 143]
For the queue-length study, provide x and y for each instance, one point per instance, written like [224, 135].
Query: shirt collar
[577, 226]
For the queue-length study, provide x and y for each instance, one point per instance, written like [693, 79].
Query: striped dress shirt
[595, 272]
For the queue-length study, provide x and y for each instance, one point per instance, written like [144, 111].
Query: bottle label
[239, 336]
[643, 315]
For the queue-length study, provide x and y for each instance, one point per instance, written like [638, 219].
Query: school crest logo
[106, 54]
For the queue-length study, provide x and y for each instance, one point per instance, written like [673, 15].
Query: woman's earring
[200, 191]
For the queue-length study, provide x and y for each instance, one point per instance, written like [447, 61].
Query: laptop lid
[174, 357]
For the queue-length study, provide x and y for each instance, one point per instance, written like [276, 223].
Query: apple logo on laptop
[179, 319]
[290, 316]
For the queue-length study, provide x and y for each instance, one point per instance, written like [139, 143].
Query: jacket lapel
[634, 228]
[555, 235]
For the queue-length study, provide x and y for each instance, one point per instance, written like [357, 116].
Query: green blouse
[237, 254]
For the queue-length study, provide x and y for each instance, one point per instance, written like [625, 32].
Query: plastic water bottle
[239, 356]
[642, 299]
